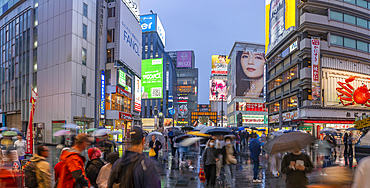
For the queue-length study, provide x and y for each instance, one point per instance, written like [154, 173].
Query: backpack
[30, 173]
[125, 174]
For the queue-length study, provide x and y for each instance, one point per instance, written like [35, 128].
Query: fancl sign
[102, 95]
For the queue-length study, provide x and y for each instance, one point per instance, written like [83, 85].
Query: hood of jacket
[71, 152]
[37, 158]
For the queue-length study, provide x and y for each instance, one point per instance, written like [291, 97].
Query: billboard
[134, 6]
[137, 94]
[315, 61]
[217, 86]
[152, 22]
[102, 95]
[124, 80]
[183, 59]
[161, 32]
[130, 45]
[219, 64]
[280, 21]
[152, 78]
[250, 74]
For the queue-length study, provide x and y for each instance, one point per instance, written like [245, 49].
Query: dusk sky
[208, 27]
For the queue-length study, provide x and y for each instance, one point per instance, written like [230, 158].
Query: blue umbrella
[288, 131]
[261, 129]
[241, 128]
[351, 129]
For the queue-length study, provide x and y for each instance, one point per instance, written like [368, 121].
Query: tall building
[246, 89]
[186, 86]
[311, 60]
[158, 73]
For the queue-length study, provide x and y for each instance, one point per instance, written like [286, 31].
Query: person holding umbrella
[229, 160]
[156, 146]
[296, 165]
[209, 162]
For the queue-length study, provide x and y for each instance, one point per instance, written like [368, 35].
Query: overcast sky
[208, 27]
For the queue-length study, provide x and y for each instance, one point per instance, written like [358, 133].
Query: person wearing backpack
[73, 171]
[94, 165]
[133, 169]
[38, 172]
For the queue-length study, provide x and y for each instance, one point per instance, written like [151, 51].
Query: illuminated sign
[125, 116]
[102, 95]
[254, 107]
[121, 91]
[152, 78]
[274, 119]
[340, 126]
[315, 61]
[219, 64]
[121, 78]
[137, 94]
[289, 116]
[253, 119]
[184, 89]
[362, 123]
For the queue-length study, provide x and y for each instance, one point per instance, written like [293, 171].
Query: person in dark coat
[229, 161]
[350, 150]
[345, 153]
[209, 161]
[94, 165]
[156, 145]
[255, 149]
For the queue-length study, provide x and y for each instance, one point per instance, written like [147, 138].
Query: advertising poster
[217, 86]
[121, 78]
[183, 59]
[152, 78]
[219, 64]
[274, 119]
[250, 74]
[250, 107]
[315, 61]
[134, 6]
[130, 41]
[280, 21]
[161, 32]
[147, 22]
[289, 116]
[137, 94]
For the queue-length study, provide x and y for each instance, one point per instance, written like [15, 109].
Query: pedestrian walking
[209, 162]
[327, 162]
[156, 146]
[59, 167]
[255, 149]
[42, 167]
[20, 144]
[219, 145]
[102, 180]
[73, 172]
[229, 161]
[296, 165]
[94, 165]
[350, 150]
[133, 169]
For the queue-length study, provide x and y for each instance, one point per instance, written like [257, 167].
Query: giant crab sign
[348, 95]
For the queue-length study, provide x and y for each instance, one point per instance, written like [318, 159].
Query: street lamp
[222, 108]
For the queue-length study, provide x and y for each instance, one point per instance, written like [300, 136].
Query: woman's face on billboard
[220, 86]
[252, 64]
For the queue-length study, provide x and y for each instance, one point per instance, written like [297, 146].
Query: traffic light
[240, 119]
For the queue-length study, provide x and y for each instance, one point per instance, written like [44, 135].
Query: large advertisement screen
[250, 74]
[147, 22]
[218, 90]
[280, 21]
[183, 59]
[345, 89]
[130, 45]
[219, 64]
[152, 78]
[137, 94]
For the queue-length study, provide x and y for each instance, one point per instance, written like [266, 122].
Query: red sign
[138, 107]
[255, 107]
[30, 125]
[219, 72]
[123, 92]
[125, 116]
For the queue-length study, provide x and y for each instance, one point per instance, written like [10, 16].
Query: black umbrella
[180, 138]
[254, 128]
[187, 128]
[218, 131]
[234, 128]
[176, 132]
[288, 142]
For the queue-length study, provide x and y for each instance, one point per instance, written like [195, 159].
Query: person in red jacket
[59, 166]
[73, 172]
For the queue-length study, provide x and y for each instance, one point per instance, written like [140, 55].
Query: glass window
[276, 107]
[361, 22]
[362, 3]
[350, 1]
[350, 43]
[84, 31]
[349, 19]
[85, 10]
[293, 102]
[293, 72]
[337, 40]
[286, 76]
[111, 12]
[108, 101]
[83, 84]
[110, 35]
[362, 46]
[285, 104]
[84, 56]
[336, 15]
[110, 56]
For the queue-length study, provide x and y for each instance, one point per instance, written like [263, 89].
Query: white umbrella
[115, 132]
[199, 127]
[15, 129]
[70, 126]
[61, 133]
[206, 129]
[157, 134]
[277, 133]
[189, 141]
[100, 132]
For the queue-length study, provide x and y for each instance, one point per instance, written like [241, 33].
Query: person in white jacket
[102, 180]
[362, 174]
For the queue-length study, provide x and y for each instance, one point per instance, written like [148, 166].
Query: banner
[219, 64]
[30, 124]
[137, 94]
[184, 59]
[152, 78]
[315, 61]
[217, 86]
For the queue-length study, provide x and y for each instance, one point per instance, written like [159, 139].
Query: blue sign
[102, 96]
[172, 111]
[148, 22]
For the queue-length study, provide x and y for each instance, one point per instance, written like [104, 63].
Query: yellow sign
[362, 123]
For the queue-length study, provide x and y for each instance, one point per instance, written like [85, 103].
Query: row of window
[362, 3]
[291, 102]
[349, 19]
[350, 43]
[287, 75]
[117, 102]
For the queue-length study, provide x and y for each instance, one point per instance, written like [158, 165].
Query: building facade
[246, 89]
[162, 96]
[309, 69]
[186, 86]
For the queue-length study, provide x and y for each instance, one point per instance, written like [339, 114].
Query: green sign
[306, 128]
[152, 78]
[121, 78]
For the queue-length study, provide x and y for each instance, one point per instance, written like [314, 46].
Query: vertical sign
[315, 61]
[121, 78]
[137, 94]
[102, 95]
[30, 124]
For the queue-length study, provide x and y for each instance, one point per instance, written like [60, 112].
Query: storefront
[315, 126]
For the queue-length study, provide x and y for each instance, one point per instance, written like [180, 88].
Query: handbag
[152, 152]
[230, 158]
[202, 176]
